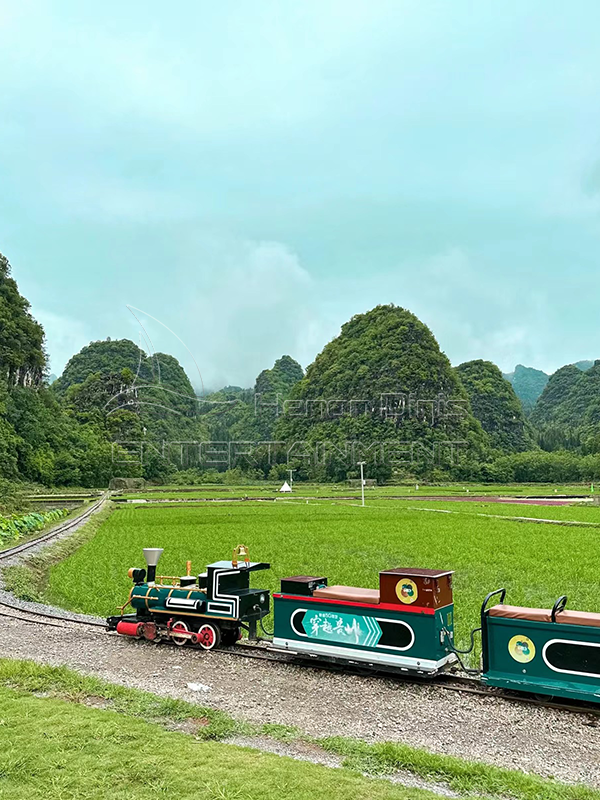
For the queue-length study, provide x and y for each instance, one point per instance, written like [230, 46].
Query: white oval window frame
[569, 671]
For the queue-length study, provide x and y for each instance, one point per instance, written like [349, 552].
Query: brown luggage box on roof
[424, 588]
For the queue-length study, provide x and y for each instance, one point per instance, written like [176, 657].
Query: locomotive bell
[152, 556]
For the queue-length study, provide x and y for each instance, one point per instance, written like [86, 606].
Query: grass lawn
[52, 750]
[54, 746]
[578, 512]
[346, 543]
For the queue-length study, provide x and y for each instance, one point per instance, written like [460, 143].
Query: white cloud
[258, 304]
[65, 336]
[247, 304]
[472, 310]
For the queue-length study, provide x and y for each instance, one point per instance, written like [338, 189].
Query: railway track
[57, 531]
[261, 651]
[446, 681]
[43, 618]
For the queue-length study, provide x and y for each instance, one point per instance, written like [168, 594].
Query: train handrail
[501, 592]
[559, 606]
[484, 630]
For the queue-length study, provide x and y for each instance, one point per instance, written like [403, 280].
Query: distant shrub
[15, 527]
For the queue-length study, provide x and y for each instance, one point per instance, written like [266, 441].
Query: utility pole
[362, 480]
[291, 479]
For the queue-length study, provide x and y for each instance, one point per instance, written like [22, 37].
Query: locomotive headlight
[262, 598]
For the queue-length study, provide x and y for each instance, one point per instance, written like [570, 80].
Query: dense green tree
[567, 415]
[528, 384]
[110, 392]
[554, 436]
[237, 415]
[539, 467]
[139, 401]
[556, 394]
[495, 405]
[106, 357]
[9, 440]
[22, 356]
[53, 448]
[383, 383]
[271, 393]
[280, 379]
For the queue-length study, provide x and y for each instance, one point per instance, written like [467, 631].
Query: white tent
[286, 487]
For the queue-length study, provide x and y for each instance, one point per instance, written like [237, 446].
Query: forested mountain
[555, 395]
[131, 379]
[528, 384]
[235, 414]
[567, 415]
[22, 356]
[383, 382]
[133, 398]
[495, 405]
[280, 379]
[112, 395]
[39, 439]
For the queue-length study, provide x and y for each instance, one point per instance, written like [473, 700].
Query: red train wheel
[208, 636]
[179, 626]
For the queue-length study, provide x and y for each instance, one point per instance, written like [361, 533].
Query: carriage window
[575, 657]
[395, 635]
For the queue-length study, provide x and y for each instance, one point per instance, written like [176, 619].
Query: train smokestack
[152, 556]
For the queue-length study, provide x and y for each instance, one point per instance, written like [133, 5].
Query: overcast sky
[251, 174]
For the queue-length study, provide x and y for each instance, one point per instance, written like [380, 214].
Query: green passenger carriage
[407, 624]
[552, 652]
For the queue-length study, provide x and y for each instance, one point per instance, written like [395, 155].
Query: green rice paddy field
[348, 544]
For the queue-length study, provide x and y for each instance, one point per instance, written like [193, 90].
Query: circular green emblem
[406, 591]
[522, 649]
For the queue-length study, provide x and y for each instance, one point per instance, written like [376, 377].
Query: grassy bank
[64, 735]
[84, 753]
[51, 522]
[29, 581]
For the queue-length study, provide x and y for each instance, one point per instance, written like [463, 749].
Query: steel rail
[45, 615]
[62, 528]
